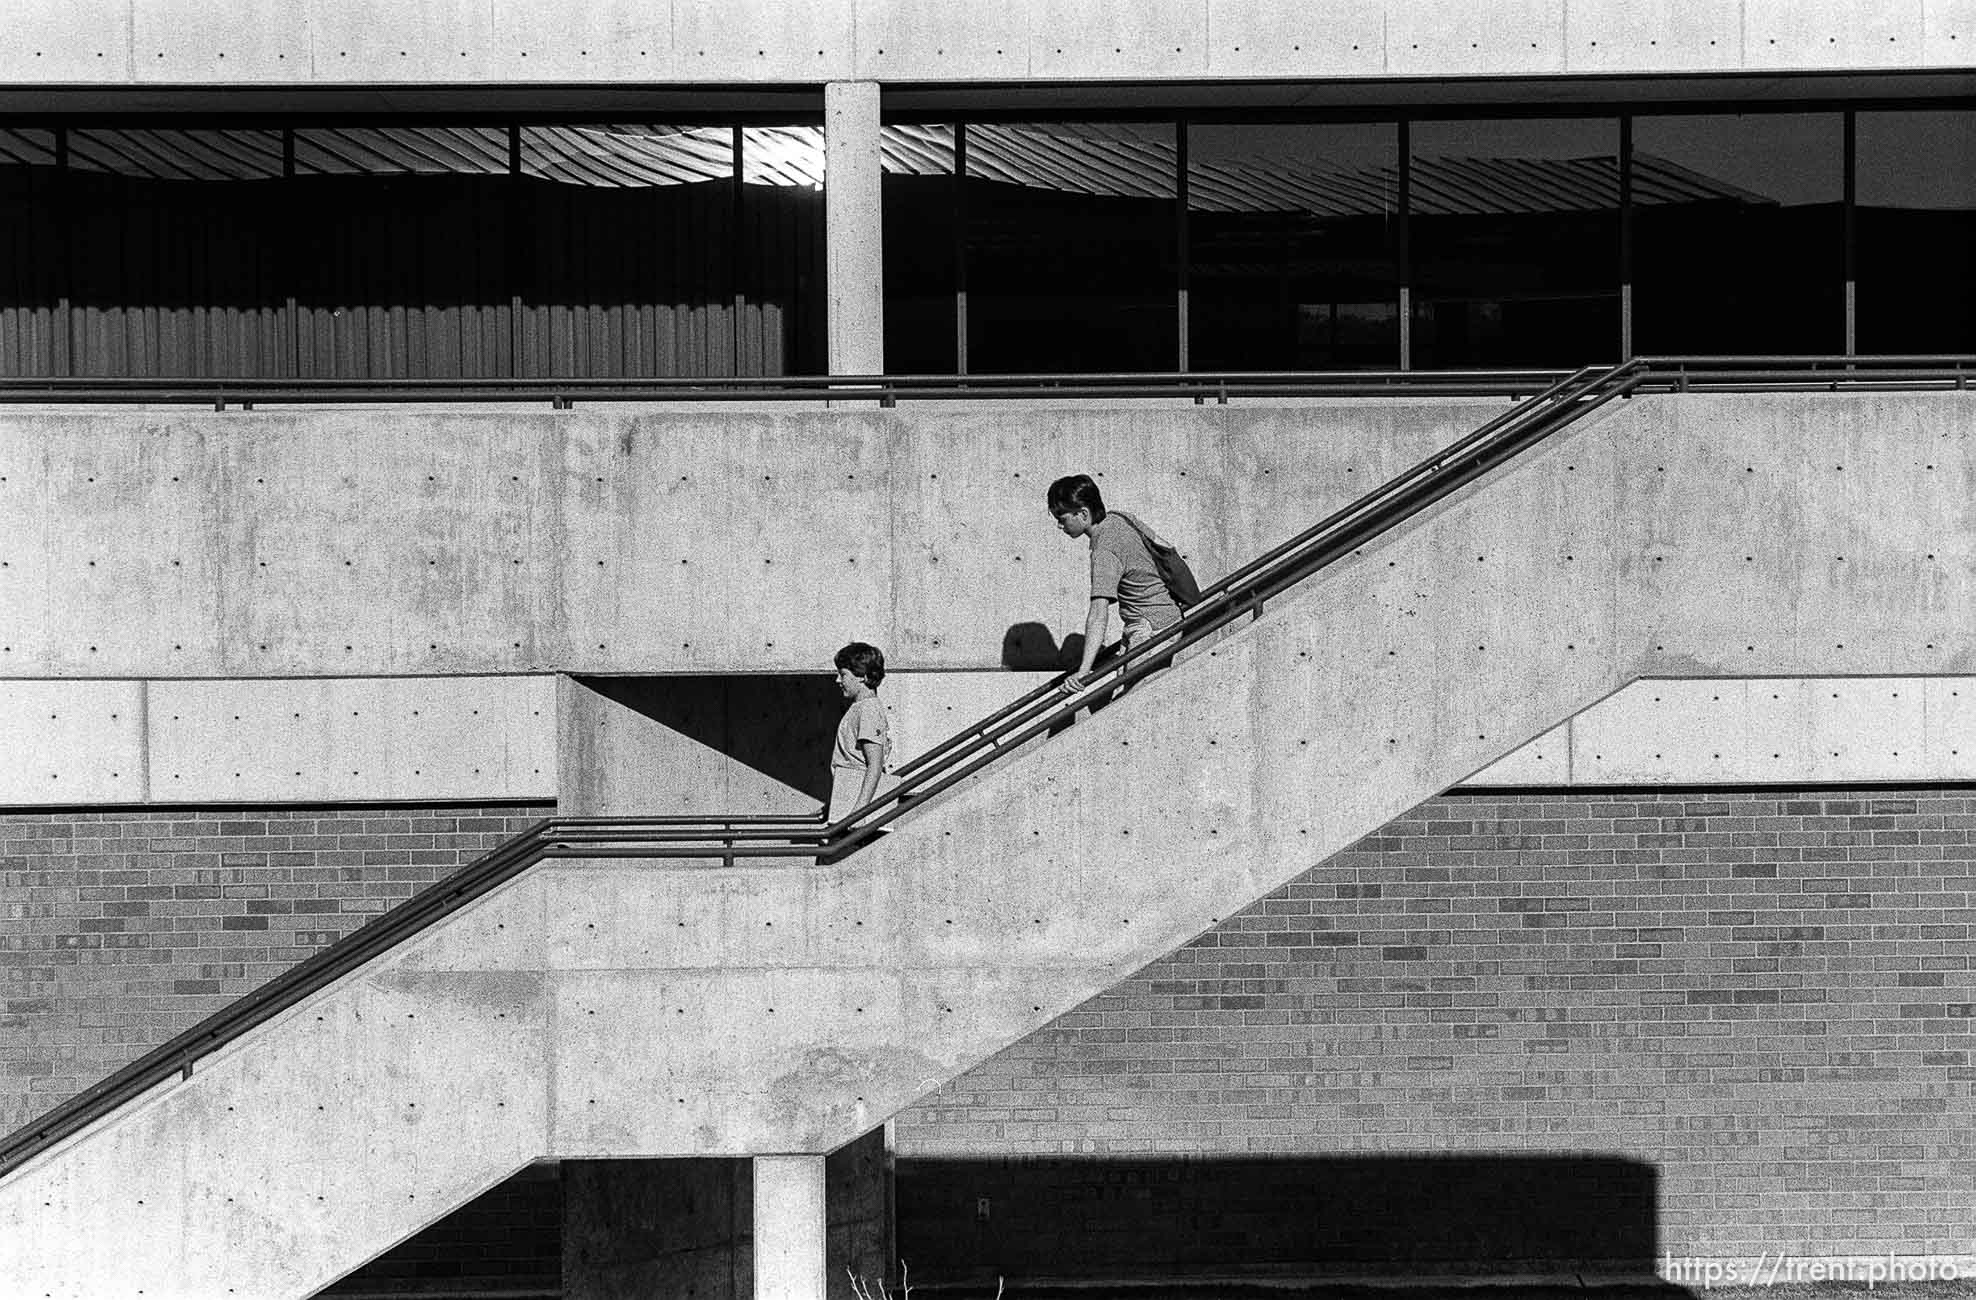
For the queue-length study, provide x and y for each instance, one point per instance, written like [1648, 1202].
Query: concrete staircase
[614, 1007]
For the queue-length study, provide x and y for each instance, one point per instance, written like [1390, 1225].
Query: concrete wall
[719, 743]
[1731, 544]
[315, 42]
[95, 741]
[396, 543]
[371, 543]
[1757, 731]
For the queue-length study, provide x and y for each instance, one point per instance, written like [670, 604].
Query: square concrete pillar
[790, 1228]
[853, 242]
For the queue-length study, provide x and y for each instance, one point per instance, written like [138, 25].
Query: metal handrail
[1675, 372]
[726, 840]
[886, 390]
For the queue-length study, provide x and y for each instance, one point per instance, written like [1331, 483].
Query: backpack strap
[1153, 541]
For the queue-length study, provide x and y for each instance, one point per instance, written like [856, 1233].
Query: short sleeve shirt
[863, 721]
[1122, 569]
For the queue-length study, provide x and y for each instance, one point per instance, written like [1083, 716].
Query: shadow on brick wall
[1149, 1219]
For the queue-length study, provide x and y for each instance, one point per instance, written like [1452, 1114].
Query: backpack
[1172, 566]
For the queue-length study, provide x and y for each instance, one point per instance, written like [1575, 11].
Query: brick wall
[1765, 1000]
[120, 929]
[1725, 1023]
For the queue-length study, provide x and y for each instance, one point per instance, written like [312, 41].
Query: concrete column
[854, 247]
[789, 1228]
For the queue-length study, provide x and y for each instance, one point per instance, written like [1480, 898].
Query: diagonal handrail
[727, 840]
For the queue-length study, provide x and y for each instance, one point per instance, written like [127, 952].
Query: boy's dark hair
[1077, 492]
[866, 662]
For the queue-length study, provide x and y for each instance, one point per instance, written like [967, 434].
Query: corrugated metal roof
[1108, 160]
[178, 155]
[402, 151]
[35, 148]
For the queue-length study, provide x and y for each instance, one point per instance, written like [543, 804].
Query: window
[1071, 247]
[1915, 232]
[1292, 246]
[782, 255]
[33, 314]
[629, 235]
[1739, 234]
[175, 253]
[922, 253]
[1514, 236]
[401, 258]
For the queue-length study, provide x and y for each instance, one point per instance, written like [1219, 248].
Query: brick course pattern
[119, 929]
[1765, 997]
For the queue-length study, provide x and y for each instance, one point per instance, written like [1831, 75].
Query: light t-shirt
[1122, 569]
[863, 721]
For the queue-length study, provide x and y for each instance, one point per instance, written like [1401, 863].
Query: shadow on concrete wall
[1086, 1220]
[779, 725]
[1032, 647]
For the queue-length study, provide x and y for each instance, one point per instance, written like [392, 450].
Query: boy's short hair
[866, 662]
[1077, 492]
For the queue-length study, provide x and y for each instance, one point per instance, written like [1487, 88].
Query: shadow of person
[1032, 648]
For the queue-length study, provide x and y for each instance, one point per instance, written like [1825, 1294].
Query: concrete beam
[320, 43]
[277, 740]
[1758, 731]
[409, 543]
[710, 745]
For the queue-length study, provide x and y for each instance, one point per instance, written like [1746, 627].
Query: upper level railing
[728, 841]
[890, 390]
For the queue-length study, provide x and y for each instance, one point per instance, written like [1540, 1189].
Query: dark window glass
[1915, 232]
[781, 254]
[1739, 234]
[629, 243]
[402, 262]
[1071, 257]
[32, 340]
[1292, 241]
[921, 255]
[175, 253]
[1513, 228]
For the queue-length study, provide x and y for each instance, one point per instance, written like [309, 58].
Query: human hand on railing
[1073, 683]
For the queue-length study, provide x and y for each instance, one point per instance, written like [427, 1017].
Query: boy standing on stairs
[1122, 571]
[864, 738]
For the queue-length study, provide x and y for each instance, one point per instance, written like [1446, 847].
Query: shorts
[845, 782]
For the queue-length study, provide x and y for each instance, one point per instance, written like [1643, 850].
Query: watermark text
[1777, 1267]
